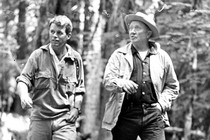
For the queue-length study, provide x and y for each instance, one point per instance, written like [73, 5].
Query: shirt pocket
[69, 72]
[68, 77]
[42, 80]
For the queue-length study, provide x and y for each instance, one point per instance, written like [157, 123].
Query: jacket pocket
[110, 110]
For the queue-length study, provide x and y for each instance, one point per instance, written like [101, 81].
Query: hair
[62, 21]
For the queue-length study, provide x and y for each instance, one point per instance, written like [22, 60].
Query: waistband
[142, 104]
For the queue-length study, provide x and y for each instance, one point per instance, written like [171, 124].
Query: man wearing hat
[142, 82]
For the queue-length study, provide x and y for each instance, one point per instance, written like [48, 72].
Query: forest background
[99, 29]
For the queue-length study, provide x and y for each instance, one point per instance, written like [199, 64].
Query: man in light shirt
[52, 76]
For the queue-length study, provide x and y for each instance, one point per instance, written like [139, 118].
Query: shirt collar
[69, 54]
[151, 51]
[154, 47]
[52, 52]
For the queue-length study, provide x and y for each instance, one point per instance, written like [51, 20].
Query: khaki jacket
[119, 68]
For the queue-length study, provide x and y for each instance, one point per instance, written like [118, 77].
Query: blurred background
[99, 29]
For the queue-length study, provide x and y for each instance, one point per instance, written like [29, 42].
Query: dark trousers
[144, 121]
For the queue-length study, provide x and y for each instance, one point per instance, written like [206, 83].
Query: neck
[60, 52]
[141, 47]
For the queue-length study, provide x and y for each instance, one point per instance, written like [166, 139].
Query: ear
[149, 34]
[69, 36]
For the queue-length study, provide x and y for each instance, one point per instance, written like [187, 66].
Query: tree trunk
[93, 67]
[21, 33]
[41, 35]
[188, 123]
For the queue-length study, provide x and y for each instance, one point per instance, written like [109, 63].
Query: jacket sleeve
[112, 79]
[170, 86]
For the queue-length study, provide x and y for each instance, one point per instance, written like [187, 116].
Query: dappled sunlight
[14, 126]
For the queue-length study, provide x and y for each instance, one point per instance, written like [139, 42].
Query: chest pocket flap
[42, 80]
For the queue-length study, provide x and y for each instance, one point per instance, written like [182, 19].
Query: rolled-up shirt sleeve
[28, 72]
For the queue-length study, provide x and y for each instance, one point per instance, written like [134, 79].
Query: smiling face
[138, 32]
[58, 37]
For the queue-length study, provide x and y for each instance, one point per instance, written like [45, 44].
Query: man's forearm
[22, 89]
[78, 101]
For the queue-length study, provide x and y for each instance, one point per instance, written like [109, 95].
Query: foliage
[9, 20]
[184, 29]
[185, 35]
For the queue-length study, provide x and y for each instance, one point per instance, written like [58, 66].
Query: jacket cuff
[164, 105]
[119, 85]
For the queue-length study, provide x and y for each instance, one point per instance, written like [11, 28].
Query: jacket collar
[154, 47]
[126, 50]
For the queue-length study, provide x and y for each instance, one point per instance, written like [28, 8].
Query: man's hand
[22, 90]
[26, 102]
[129, 86]
[74, 114]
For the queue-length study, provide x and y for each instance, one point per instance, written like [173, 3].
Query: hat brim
[133, 17]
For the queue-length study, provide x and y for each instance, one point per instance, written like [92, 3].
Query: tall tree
[94, 26]
[21, 32]
[181, 36]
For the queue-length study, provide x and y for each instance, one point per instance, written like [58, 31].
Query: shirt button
[144, 73]
[143, 93]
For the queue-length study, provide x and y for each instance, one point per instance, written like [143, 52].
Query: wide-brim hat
[145, 19]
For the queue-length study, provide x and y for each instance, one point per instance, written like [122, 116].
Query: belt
[132, 104]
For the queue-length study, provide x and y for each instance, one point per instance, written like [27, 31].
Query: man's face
[138, 31]
[58, 36]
